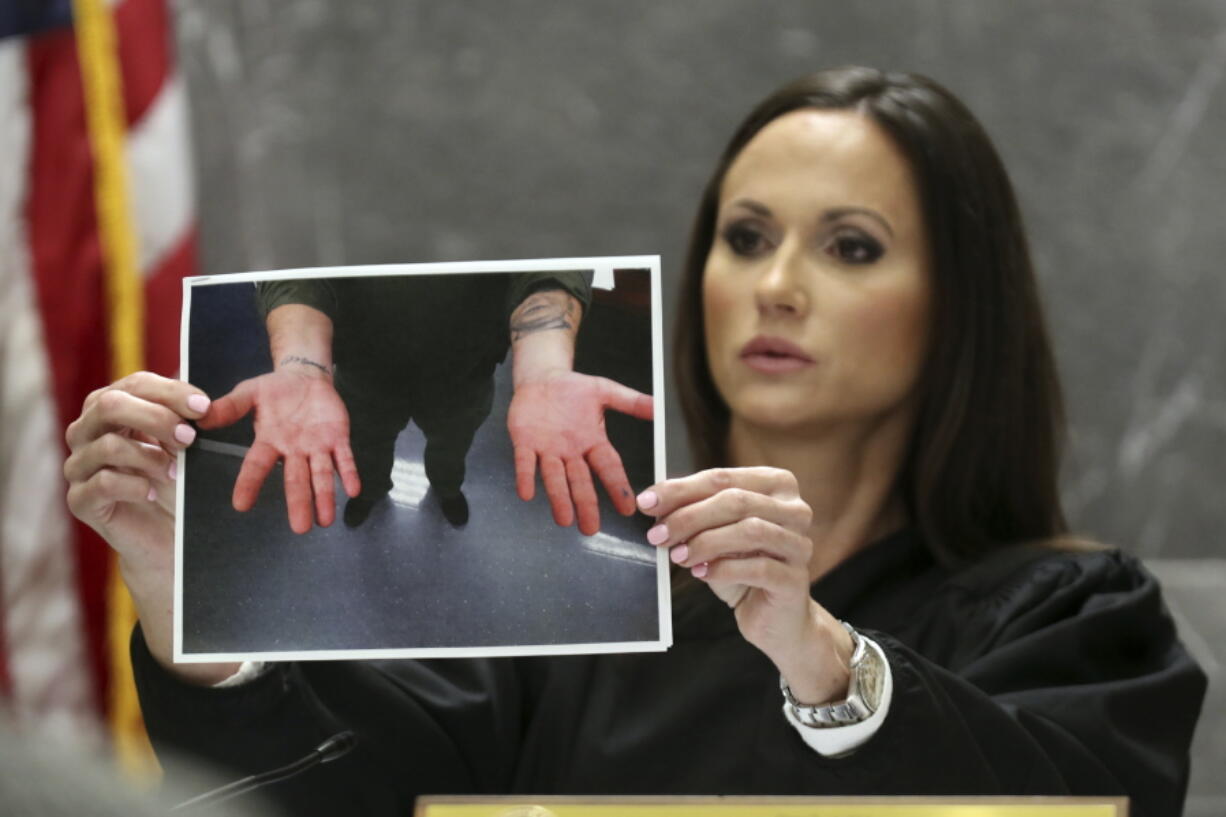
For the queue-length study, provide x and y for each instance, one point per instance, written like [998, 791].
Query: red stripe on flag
[66, 255]
[66, 260]
[93, 572]
[164, 296]
[142, 28]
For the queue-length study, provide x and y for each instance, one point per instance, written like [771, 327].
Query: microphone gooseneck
[337, 746]
[331, 749]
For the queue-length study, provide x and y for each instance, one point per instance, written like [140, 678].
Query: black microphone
[334, 747]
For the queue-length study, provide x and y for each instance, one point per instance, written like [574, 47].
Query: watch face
[870, 679]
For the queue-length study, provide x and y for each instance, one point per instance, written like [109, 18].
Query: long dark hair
[981, 469]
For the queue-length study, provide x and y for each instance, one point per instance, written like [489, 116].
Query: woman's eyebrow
[753, 206]
[838, 212]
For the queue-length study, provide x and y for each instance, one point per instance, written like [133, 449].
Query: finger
[298, 493]
[177, 395]
[626, 400]
[729, 507]
[607, 464]
[260, 459]
[164, 484]
[321, 485]
[232, 407]
[140, 436]
[91, 500]
[553, 475]
[675, 493]
[116, 409]
[525, 473]
[748, 537]
[348, 469]
[760, 572]
[729, 593]
[583, 493]
[113, 450]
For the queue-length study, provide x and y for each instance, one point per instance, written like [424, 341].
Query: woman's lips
[774, 356]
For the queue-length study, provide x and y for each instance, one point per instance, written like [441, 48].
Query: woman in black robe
[870, 391]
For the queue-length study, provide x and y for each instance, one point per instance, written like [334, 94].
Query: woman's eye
[856, 249]
[744, 240]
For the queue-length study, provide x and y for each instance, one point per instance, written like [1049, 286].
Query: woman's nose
[781, 288]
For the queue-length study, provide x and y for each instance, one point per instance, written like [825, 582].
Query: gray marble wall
[393, 130]
[401, 130]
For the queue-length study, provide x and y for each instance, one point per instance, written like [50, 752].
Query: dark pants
[447, 412]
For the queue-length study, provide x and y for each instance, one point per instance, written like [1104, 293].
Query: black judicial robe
[1034, 671]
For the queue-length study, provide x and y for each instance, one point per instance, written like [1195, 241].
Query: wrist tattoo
[542, 311]
[305, 361]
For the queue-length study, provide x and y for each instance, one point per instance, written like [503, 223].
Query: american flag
[63, 663]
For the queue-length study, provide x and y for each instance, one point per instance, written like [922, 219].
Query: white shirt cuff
[832, 741]
[247, 671]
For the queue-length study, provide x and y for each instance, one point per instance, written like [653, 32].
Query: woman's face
[816, 289]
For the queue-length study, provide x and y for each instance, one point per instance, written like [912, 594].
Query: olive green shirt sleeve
[312, 292]
[574, 282]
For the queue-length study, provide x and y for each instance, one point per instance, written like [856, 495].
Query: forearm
[300, 339]
[816, 667]
[543, 331]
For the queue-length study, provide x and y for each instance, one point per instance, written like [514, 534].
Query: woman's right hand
[120, 473]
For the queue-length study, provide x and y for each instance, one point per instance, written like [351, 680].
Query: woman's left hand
[744, 532]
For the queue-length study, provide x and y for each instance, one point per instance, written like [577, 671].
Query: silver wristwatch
[864, 690]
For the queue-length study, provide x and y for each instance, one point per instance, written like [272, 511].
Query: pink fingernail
[699, 570]
[173, 470]
[658, 535]
[680, 553]
[648, 500]
[152, 495]
[198, 403]
[185, 433]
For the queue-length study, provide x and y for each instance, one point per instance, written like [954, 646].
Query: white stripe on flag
[42, 616]
[159, 159]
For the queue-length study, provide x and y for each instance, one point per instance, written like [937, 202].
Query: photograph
[422, 460]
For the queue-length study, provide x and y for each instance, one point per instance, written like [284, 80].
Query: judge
[876, 591]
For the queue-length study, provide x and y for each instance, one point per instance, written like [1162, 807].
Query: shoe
[358, 509]
[455, 509]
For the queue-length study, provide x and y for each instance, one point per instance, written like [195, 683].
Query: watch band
[863, 691]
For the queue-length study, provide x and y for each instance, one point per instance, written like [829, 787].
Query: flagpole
[102, 84]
